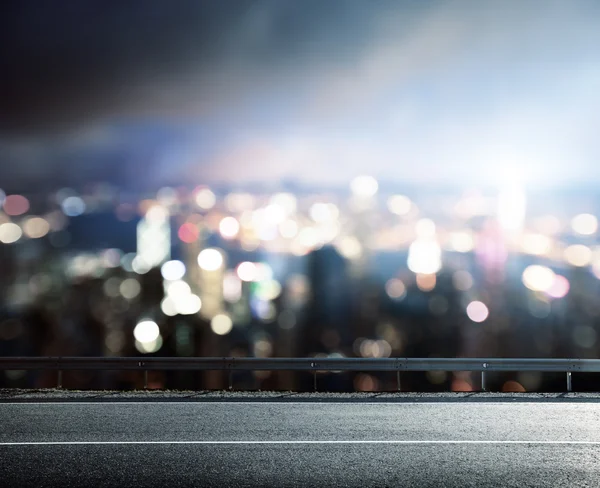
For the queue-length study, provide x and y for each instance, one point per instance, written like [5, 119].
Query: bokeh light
[173, 270]
[146, 331]
[10, 232]
[210, 259]
[36, 227]
[221, 324]
[584, 224]
[73, 206]
[364, 186]
[538, 278]
[229, 227]
[477, 311]
[15, 205]
[578, 255]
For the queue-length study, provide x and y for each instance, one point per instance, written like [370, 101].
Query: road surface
[287, 443]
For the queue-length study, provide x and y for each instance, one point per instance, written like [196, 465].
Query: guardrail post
[59, 379]
[398, 384]
[230, 379]
[483, 385]
[145, 379]
[569, 384]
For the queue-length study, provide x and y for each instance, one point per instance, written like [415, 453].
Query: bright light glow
[205, 199]
[188, 304]
[349, 247]
[140, 266]
[585, 224]
[149, 347]
[36, 227]
[425, 256]
[395, 289]
[578, 255]
[232, 287]
[180, 299]
[172, 270]
[274, 213]
[247, 271]
[285, 200]
[309, 238]
[538, 278]
[548, 224]
[425, 228]
[512, 204]
[288, 229]
[10, 233]
[157, 214]
[462, 241]
[559, 288]
[323, 212]
[146, 331]
[210, 259]
[221, 324]
[73, 206]
[168, 306]
[154, 237]
[477, 311]
[177, 288]
[364, 186]
[229, 227]
[536, 244]
[399, 204]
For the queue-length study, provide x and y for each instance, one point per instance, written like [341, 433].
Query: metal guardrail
[314, 365]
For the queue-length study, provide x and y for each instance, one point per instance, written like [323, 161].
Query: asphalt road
[453, 444]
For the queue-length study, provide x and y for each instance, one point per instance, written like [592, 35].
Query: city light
[560, 287]
[205, 198]
[10, 233]
[538, 278]
[364, 186]
[146, 331]
[36, 227]
[584, 224]
[15, 205]
[395, 289]
[221, 324]
[425, 256]
[130, 288]
[73, 206]
[247, 271]
[173, 270]
[578, 255]
[229, 227]
[210, 259]
[477, 311]
[399, 204]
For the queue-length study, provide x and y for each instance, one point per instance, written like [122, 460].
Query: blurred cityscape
[359, 271]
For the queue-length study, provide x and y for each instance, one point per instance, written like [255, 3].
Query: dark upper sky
[316, 90]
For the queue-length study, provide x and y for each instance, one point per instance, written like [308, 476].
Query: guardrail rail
[314, 365]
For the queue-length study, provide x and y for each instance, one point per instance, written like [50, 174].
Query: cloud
[325, 90]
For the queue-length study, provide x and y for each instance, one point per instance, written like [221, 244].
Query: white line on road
[92, 443]
[461, 403]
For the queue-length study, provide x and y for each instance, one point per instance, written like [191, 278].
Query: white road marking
[191, 401]
[505, 442]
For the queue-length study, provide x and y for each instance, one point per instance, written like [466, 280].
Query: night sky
[150, 91]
